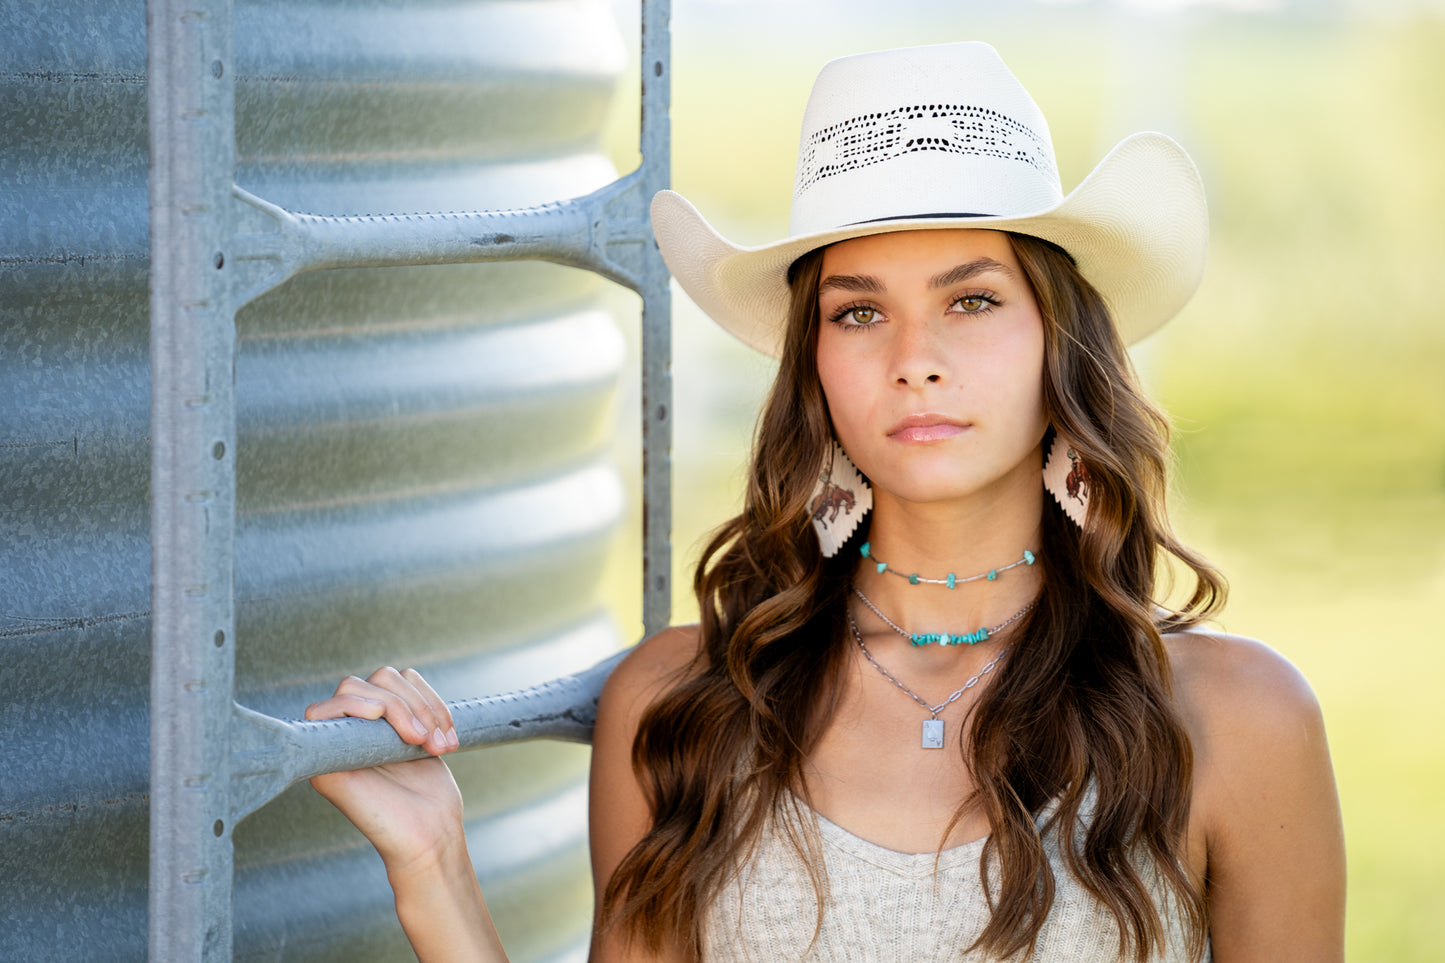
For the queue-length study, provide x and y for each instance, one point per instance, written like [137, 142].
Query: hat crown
[917, 132]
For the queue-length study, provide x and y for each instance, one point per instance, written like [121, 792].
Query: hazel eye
[973, 303]
[862, 315]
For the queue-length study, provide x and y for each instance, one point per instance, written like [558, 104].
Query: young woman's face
[931, 355]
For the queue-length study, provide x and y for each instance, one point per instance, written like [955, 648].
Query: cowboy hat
[945, 136]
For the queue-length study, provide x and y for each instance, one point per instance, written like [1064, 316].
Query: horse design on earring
[830, 501]
[1076, 483]
[839, 501]
[1066, 477]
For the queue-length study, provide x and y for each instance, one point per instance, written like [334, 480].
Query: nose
[917, 359]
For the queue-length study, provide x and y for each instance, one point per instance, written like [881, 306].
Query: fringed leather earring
[840, 500]
[1066, 477]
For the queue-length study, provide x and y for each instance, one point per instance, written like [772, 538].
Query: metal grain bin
[420, 452]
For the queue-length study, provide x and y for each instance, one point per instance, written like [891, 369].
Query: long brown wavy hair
[1086, 719]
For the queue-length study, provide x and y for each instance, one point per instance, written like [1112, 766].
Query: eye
[977, 303]
[856, 316]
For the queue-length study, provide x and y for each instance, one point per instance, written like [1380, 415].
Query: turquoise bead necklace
[944, 638]
[932, 726]
[866, 550]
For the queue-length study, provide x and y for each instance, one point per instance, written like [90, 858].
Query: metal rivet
[662, 412]
[218, 450]
[220, 260]
[220, 638]
[219, 828]
[657, 69]
[217, 69]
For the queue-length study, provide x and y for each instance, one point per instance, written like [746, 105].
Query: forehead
[920, 250]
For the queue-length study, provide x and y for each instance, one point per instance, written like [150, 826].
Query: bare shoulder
[653, 666]
[1252, 716]
[619, 812]
[1265, 798]
[1227, 681]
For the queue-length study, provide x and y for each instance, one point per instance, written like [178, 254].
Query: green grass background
[1306, 380]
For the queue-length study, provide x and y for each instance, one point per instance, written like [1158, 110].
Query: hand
[410, 811]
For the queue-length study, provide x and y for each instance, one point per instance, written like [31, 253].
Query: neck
[934, 540]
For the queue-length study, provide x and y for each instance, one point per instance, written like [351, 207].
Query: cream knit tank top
[883, 905]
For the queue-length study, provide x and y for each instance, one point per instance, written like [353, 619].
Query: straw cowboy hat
[945, 137]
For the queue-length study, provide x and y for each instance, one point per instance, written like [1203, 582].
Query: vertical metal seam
[192, 350]
[656, 148]
[192, 343]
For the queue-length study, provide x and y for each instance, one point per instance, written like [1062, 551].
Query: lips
[925, 428]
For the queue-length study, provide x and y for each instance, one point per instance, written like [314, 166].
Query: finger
[343, 705]
[403, 698]
[363, 698]
[440, 713]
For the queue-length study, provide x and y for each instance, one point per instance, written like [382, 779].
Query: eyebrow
[969, 270]
[963, 272]
[851, 282]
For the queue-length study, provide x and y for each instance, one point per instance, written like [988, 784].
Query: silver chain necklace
[943, 638]
[932, 726]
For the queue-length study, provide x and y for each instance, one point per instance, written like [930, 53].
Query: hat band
[940, 215]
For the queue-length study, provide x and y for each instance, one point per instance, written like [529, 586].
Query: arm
[412, 813]
[620, 814]
[1266, 799]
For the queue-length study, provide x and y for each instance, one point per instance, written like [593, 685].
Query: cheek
[845, 387]
[1030, 377]
[1034, 380]
[1016, 380]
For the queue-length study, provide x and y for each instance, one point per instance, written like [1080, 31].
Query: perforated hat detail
[944, 137]
[952, 128]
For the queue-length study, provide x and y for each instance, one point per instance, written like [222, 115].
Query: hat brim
[1137, 228]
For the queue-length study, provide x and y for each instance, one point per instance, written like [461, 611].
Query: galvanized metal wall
[419, 451]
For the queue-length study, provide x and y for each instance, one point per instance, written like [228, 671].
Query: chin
[942, 485]
[936, 491]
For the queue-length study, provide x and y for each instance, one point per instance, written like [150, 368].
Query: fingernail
[439, 739]
[417, 725]
[452, 738]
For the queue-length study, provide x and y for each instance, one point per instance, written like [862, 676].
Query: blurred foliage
[1306, 379]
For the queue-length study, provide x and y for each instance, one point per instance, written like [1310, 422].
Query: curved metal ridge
[269, 754]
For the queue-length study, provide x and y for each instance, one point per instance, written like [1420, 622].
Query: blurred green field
[1306, 380]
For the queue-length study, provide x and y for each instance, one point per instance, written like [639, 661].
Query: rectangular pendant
[933, 733]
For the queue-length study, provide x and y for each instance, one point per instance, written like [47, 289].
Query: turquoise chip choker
[944, 638]
[866, 550]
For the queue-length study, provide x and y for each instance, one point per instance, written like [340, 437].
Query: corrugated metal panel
[419, 455]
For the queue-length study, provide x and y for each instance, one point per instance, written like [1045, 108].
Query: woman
[933, 709]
